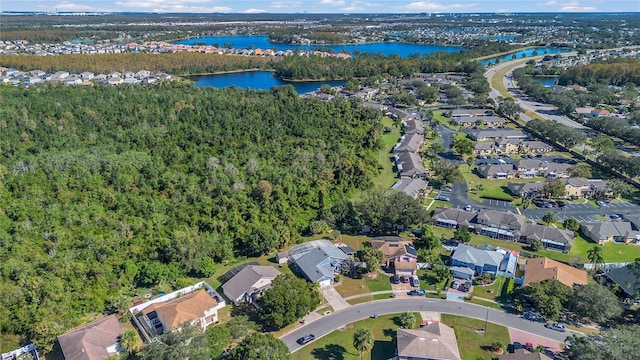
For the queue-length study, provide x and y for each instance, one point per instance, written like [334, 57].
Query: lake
[258, 80]
[526, 53]
[546, 81]
[262, 42]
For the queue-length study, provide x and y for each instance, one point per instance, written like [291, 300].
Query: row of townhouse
[504, 225]
[525, 169]
[33, 77]
[409, 165]
[574, 187]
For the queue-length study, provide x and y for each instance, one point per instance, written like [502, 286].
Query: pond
[258, 80]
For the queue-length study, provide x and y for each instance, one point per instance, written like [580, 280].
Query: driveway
[524, 337]
[334, 298]
[336, 320]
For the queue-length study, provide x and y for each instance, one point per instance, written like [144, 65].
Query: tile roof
[92, 341]
[182, 309]
[539, 269]
[434, 341]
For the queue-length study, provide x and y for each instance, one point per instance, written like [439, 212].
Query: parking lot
[585, 212]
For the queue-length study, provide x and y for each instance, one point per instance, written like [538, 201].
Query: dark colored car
[416, 292]
[517, 346]
[306, 339]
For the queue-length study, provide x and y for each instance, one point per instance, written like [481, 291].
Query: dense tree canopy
[108, 189]
[621, 342]
[259, 346]
[595, 302]
[289, 299]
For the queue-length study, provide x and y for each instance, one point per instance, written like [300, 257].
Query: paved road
[548, 112]
[459, 199]
[329, 323]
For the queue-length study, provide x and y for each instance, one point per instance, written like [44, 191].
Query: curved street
[334, 321]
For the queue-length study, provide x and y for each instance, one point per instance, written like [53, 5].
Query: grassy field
[491, 292]
[339, 344]
[387, 176]
[473, 345]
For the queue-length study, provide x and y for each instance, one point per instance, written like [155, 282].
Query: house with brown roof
[401, 255]
[522, 354]
[94, 341]
[433, 341]
[540, 269]
[195, 305]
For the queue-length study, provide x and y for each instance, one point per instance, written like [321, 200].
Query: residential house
[497, 171]
[607, 231]
[584, 111]
[480, 261]
[97, 340]
[411, 187]
[249, 283]
[409, 143]
[627, 278]
[552, 238]
[453, 218]
[87, 75]
[499, 224]
[196, 304]
[510, 146]
[409, 165]
[529, 189]
[523, 354]
[321, 263]
[467, 113]
[600, 113]
[433, 341]
[413, 126]
[540, 269]
[494, 134]
[402, 258]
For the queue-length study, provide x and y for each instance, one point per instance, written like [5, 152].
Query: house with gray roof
[413, 126]
[433, 341]
[411, 187]
[498, 171]
[409, 165]
[410, 143]
[467, 113]
[611, 231]
[495, 134]
[530, 189]
[627, 278]
[480, 261]
[552, 238]
[321, 264]
[499, 224]
[453, 218]
[249, 283]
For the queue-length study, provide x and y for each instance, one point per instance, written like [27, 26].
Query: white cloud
[254, 11]
[332, 2]
[171, 6]
[68, 6]
[285, 4]
[573, 8]
[352, 8]
[434, 6]
[549, 3]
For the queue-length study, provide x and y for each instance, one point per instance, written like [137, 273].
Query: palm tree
[526, 202]
[595, 256]
[129, 340]
[362, 340]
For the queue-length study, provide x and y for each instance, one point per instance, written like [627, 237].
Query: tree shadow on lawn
[383, 350]
[329, 352]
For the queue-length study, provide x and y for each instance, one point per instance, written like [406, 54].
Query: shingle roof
[627, 277]
[410, 164]
[409, 142]
[606, 229]
[522, 354]
[311, 262]
[461, 217]
[541, 232]
[183, 309]
[470, 255]
[394, 248]
[540, 269]
[500, 218]
[90, 341]
[411, 187]
[244, 281]
[434, 341]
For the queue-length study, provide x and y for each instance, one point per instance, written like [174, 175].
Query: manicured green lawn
[473, 345]
[380, 283]
[387, 176]
[339, 344]
[493, 292]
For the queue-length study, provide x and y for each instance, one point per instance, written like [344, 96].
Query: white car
[468, 208]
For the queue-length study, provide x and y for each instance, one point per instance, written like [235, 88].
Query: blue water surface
[527, 53]
[261, 42]
[257, 80]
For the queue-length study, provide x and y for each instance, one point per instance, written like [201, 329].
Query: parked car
[306, 339]
[415, 282]
[614, 217]
[404, 279]
[556, 327]
[441, 198]
[517, 346]
[418, 292]
[395, 279]
[601, 203]
[529, 346]
[468, 208]
[455, 284]
[465, 287]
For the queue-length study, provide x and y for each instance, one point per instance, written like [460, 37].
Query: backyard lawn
[493, 292]
[339, 344]
[473, 345]
[387, 176]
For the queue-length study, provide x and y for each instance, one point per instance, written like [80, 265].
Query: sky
[322, 6]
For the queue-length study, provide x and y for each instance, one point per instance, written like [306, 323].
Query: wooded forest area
[105, 190]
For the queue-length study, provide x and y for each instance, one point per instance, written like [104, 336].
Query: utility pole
[486, 322]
